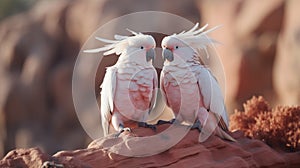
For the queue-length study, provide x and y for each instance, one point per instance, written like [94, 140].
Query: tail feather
[214, 125]
[222, 134]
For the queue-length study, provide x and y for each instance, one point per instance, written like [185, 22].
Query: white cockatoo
[129, 87]
[189, 87]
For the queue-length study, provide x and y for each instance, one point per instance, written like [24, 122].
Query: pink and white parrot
[189, 87]
[129, 87]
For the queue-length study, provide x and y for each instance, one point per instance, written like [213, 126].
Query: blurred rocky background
[39, 42]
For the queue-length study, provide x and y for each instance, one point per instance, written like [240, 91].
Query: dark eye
[142, 47]
[176, 47]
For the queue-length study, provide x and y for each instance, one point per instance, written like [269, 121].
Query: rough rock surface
[32, 157]
[214, 152]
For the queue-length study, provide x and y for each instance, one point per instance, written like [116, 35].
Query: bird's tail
[207, 132]
[213, 125]
[222, 134]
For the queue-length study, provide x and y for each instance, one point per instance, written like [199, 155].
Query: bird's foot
[121, 131]
[173, 121]
[176, 122]
[161, 122]
[145, 125]
[197, 125]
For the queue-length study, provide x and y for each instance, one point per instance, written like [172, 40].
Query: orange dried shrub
[278, 127]
[287, 126]
[245, 120]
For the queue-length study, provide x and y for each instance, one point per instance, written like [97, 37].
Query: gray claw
[121, 131]
[145, 125]
[161, 122]
[173, 121]
[197, 125]
[51, 164]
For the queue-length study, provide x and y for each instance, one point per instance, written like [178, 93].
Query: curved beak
[168, 55]
[150, 54]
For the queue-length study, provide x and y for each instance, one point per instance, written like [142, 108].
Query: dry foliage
[278, 127]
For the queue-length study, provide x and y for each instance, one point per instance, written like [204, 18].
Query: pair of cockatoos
[129, 87]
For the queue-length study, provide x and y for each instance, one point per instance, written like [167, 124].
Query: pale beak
[150, 54]
[168, 55]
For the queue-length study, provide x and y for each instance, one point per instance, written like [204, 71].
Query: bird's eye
[142, 47]
[176, 47]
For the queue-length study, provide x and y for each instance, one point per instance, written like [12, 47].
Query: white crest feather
[113, 46]
[196, 38]
[133, 32]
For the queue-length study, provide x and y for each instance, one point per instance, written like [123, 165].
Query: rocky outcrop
[214, 152]
[32, 157]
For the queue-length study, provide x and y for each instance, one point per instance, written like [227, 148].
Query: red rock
[214, 152]
[31, 158]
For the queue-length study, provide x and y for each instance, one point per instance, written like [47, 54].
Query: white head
[185, 46]
[176, 51]
[138, 48]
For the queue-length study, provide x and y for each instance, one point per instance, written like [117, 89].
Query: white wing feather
[154, 92]
[162, 88]
[107, 97]
[211, 93]
[213, 100]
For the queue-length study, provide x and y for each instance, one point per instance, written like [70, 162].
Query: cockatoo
[129, 87]
[189, 87]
